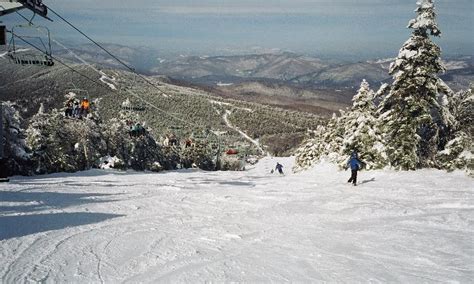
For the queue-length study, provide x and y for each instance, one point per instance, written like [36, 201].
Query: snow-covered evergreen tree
[355, 129]
[312, 149]
[16, 156]
[198, 155]
[412, 114]
[118, 137]
[458, 152]
[325, 143]
[362, 131]
[61, 144]
[462, 107]
[140, 152]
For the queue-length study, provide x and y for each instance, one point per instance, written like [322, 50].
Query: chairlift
[81, 93]
[36, 6]
[232, 150]
[27, 57]
[132, 107]
[175, 129]
[82, 103]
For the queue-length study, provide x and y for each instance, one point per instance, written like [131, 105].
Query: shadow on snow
[19, 226]
[32, 201]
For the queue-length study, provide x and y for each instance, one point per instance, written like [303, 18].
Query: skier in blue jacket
[279, 168]
[355, 164]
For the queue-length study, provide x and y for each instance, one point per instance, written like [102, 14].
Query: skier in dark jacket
[355, 164]
[279, 168]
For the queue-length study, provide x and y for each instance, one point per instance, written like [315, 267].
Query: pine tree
[458, 152]
[139, 153]
[362, 131]
[66, 144]
[16, 152]
[312, 149]
[199, 154]
[118, 137]
[326, 144]
[411, 112]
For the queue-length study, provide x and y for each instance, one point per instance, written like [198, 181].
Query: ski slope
[192, 226]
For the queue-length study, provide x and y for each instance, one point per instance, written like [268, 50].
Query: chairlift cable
[61, 62]
[63, 46]
[104, 49]
[125, 65]
[193, 125]
[100, 73]
[107, 88]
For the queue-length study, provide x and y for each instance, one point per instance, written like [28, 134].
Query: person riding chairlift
[173, 141]
[85, 106]
[137, 130]
[69, 108]
[76, 108]
[188, 143]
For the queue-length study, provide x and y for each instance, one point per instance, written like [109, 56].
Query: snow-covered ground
[254, 226]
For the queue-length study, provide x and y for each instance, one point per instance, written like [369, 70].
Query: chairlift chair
[133, 107]
[232, 150]
[26, 57]
[81, 93]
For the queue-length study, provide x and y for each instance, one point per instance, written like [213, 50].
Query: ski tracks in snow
[243, 134]
[225, 117]
[193, 226]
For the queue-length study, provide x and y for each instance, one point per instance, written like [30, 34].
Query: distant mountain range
[301, 70]
[283, 79]
[277, 78]
[303, 88]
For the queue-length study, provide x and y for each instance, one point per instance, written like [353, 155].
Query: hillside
[182, 110]
[283, 67]
[251, 226]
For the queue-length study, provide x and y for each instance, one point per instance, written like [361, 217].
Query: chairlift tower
[11, 6]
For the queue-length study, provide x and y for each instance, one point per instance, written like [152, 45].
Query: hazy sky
[330, 28]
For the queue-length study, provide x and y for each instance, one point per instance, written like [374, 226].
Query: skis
[4, 179]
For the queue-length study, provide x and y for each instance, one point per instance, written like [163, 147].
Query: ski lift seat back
[23, 57]
[31, 60]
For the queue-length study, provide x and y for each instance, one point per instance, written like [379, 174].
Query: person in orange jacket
[85, 106]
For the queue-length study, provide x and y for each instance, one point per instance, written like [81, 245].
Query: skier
[279, 168]
[355, 164]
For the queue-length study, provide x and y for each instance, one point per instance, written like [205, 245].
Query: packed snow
[105, 226]
[220, 84]
[225, 117]
[106, 80]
